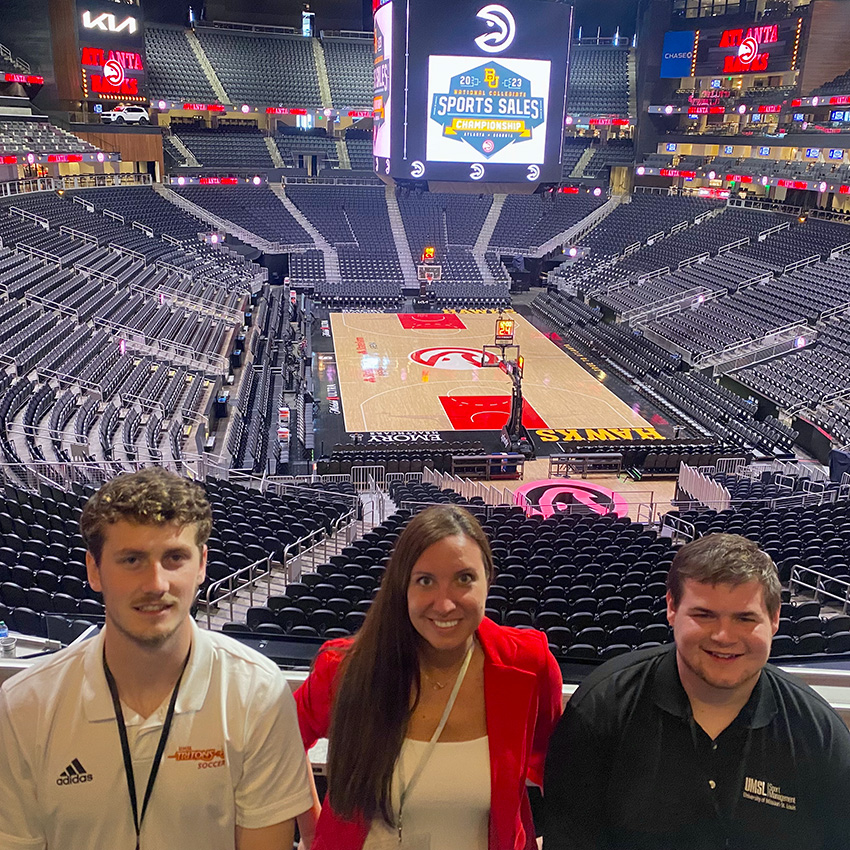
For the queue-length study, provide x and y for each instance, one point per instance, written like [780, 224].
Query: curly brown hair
[151, 496]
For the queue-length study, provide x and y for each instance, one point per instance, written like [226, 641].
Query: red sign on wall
[32, 79]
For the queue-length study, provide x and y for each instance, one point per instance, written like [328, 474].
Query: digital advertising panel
[382, 104]
[752, 49]
[111, 38]
[678, 54]
[477, 91]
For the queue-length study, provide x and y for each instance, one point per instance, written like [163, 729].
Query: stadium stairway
[322, 69]
[332, 272]
[582, 228]
[274, 153]
[303, 564]
[342, 154]
[188, 156]
[207, 68]
[400, 237]
[585, 157]
[216, 221]
[483, 241]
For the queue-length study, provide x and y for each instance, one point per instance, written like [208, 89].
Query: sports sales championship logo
[489, 107]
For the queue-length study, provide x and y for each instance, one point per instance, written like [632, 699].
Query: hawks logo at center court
[452, 358]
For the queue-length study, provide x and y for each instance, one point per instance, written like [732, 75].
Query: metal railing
[819, 587]
[242, 579]
[25, 187]
[681, 529]
[701, 488]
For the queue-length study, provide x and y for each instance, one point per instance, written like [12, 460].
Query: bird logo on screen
[503, 27]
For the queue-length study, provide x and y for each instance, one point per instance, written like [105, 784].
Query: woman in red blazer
[427, 666]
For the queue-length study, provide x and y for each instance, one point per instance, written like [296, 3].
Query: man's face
[148, 575]
[723, 635]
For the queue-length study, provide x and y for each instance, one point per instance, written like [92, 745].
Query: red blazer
[522, 696]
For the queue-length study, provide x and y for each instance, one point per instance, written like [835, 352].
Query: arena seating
[253, 207]
[349, 63]
[295, 144]
[359, 149]
[451, 225]
[142, 204]
[753, 312]
[837, 85]
[617, 152]
[528, 221]
[805, 378]
[42, 559]
[227, 147]
[174, 70]
[574, 148]
[599, 80]
[595, 585]
[355, 220]
[307, 268]
[262, 68]
[226, 278]
[690, 399]
[632, 222]
[39, 136]
[709, 236]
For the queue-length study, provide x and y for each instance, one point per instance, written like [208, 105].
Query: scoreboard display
[470, 91]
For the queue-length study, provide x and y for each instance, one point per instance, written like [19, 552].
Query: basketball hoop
[429, 277]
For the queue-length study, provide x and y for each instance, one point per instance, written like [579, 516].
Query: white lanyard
[406, 789]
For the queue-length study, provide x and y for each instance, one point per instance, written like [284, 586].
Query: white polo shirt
[234, 754]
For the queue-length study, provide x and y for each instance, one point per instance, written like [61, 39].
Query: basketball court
[423, 372]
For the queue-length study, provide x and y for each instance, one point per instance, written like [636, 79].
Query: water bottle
[7, 644]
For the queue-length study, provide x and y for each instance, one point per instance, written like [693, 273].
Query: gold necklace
[439, 686]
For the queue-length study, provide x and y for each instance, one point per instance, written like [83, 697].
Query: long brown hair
[373, 703]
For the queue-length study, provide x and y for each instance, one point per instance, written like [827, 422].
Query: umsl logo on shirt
[205, 758]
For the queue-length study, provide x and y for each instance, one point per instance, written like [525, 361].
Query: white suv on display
[126, 115]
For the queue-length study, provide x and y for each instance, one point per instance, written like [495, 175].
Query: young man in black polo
[701, 745]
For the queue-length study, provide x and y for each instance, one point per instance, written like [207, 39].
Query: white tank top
[449, 807]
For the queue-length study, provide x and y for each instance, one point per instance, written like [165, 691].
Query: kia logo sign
[106, 22]
[502, 37]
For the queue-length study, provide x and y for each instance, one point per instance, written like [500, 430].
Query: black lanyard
[125, 745]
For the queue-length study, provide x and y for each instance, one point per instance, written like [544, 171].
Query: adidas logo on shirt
[73, 774]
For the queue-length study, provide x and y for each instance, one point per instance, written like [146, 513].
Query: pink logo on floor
[568, 495]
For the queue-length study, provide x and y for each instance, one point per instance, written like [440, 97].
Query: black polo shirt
[629, 769]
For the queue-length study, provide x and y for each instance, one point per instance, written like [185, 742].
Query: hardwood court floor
[415, 378]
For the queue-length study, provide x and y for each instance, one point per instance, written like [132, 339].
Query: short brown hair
[725, 559]
[151, 496]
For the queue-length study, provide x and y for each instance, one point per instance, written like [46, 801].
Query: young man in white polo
[156, 734]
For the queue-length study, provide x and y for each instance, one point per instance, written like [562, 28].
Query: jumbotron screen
[470, 91]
